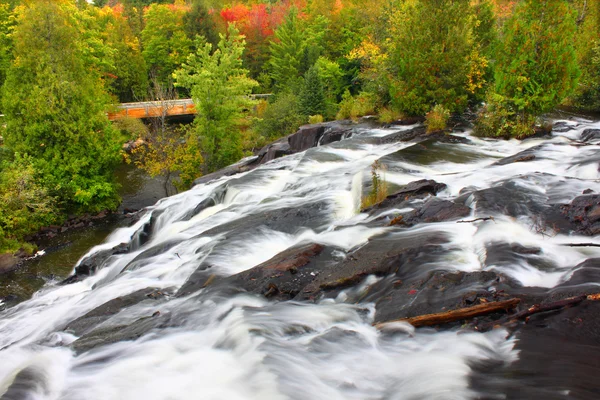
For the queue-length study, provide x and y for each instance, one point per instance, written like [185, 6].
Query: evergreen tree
[536, 67]
[295, 49]
[312, 97]
[54, 103]
[431, 44]
[220, 87]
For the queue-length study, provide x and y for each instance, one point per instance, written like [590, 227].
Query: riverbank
[62, 246]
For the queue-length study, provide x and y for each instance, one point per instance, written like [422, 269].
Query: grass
[379, 187]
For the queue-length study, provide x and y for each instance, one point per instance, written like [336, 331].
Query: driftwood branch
[456, 315]
[540, 308]
[475, 220]
[581, 245]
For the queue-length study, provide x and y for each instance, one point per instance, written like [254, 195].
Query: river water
[231, 345]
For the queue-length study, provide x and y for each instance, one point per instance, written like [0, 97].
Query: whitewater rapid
[241, 346]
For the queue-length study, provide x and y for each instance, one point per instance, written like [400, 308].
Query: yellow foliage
[476, 74]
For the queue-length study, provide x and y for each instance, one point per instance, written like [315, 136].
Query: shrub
[379, 187]
[315, 119]
[387, 115]
[363, 104]
[280, 118]
[130, 128]
[499, 118]
[437, 118]
[25, 204]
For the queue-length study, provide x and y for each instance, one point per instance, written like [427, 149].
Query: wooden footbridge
[166, 108]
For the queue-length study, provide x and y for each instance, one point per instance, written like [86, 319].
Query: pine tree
[431, 44]
[54, 103]
[312, 97]
[536, 67]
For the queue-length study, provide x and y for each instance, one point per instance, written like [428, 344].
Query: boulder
[8, 263]
[589, 135]
[89, 265]
[421, 188]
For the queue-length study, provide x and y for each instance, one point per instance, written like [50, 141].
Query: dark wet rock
[562, 127]
[199, 279]
[437, 210]
[283, 276]
[419, 189]
[502, 254]
[8, 263]
[89, 265]
[586, 273]
[312, 135]
[307, 136]
[335, 132]
[288, 220]
[274, 150]
[30, 383]
[144, 233]
[523, 156]
[242, 166]
[216, 197]
[559, 353]
[113, 334]
[409, 121]
[508, 198]
[145, 256]
[584, 213]
[432, 149]
[441, 137]
[439, 291]
[589, 135]
[415, 133]
[100, 314]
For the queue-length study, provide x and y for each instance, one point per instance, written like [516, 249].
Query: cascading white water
[245, 347]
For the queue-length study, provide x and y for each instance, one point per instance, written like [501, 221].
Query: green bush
[281, 117]
[499, 118]
[536, 68]
[387, 115]
[437, 118]
[25, 204]
[315, 119]
[363, 104]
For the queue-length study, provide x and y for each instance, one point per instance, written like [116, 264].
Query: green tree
[294, 50]
[165, 43]
[431, 44]
[127, 77]
[536, 67]
[220, 87]
[199, 22]
[312, 96]
[6, 27]
[54, 102]
[587, 48]
[25, 205]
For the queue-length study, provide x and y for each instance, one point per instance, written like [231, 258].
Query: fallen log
[455, 315]
[540, 308]
[581, 244]
[475, 220]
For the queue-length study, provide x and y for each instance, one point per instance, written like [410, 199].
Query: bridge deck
[150, 109]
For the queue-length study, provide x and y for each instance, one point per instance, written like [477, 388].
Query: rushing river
[230, 345]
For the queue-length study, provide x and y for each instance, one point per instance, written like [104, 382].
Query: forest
[65, 64]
